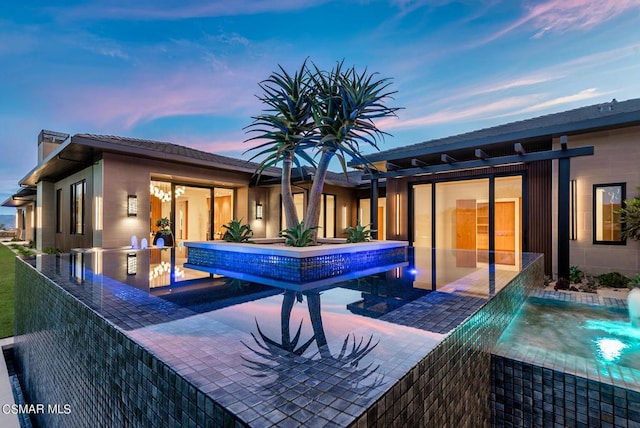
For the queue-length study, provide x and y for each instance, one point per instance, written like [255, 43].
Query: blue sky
[187, 71]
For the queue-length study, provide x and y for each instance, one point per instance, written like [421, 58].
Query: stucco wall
[616, 160]
[126, 176]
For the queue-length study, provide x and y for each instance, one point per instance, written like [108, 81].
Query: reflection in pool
[257, 349]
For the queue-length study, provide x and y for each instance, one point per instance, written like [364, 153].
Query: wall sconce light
[132, 205]
[132, 264]
[397, 214]
[258, 211]
[573, 210]
[344, 216]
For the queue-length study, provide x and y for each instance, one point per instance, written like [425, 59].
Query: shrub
[298, 236]
[575, 274]
[635, 281]
[613, 279]
[359, 233]
[51, 250]
[630, 216]
[237, 232]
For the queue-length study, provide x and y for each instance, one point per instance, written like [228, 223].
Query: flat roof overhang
[80, 152]
[22, 197]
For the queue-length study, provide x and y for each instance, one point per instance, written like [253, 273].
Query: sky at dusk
[187, 71]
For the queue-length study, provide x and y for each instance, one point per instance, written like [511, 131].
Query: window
[59, 211]
[607, 222]
[78, 191]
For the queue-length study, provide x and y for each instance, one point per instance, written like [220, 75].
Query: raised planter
[293, 264]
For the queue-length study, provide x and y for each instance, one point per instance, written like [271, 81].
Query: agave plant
[298, 236]
[237, 232]
[359, 233]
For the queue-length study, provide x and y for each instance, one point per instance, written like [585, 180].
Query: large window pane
[77, 192]
[607, 222]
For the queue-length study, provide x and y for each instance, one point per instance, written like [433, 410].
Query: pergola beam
[481, 154]
[480, 163]
[446, 158]
[418, 163]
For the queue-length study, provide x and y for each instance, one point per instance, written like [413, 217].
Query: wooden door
[465, 231]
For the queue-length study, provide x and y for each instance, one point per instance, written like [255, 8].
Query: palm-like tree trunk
[290, 213]
[315, 195]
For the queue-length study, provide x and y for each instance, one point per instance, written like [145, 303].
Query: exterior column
[45, 216]
[373, 206]
[564, 174]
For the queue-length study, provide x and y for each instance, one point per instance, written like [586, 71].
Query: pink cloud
[449, 115]
[155, 94]
[560, 16]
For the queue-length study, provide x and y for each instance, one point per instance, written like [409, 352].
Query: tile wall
[68, 355]
[452, 385]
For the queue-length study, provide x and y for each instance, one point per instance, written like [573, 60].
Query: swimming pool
[222, 350]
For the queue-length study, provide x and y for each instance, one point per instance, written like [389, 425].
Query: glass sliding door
[462, 227]
[508, 221]
[364, 215]
[222, 210]
[298, 201]
[327, 220]
[160, 200]
[193, 213]
[422, 234]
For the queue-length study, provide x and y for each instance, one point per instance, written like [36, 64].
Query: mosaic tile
[136, 349]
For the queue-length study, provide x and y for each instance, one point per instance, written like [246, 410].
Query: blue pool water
[268, 354]
[585, 336]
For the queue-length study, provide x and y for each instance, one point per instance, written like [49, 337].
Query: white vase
[633, 302]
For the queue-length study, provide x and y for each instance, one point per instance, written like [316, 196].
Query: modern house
[551, 184]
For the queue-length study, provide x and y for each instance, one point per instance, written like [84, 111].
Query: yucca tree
[287, 126]
[345, 105]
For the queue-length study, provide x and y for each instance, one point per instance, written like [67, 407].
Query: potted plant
[164, 231]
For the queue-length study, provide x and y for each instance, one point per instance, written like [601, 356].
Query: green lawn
[7, 290]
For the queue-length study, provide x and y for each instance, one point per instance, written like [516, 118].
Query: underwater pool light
[609, 349]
